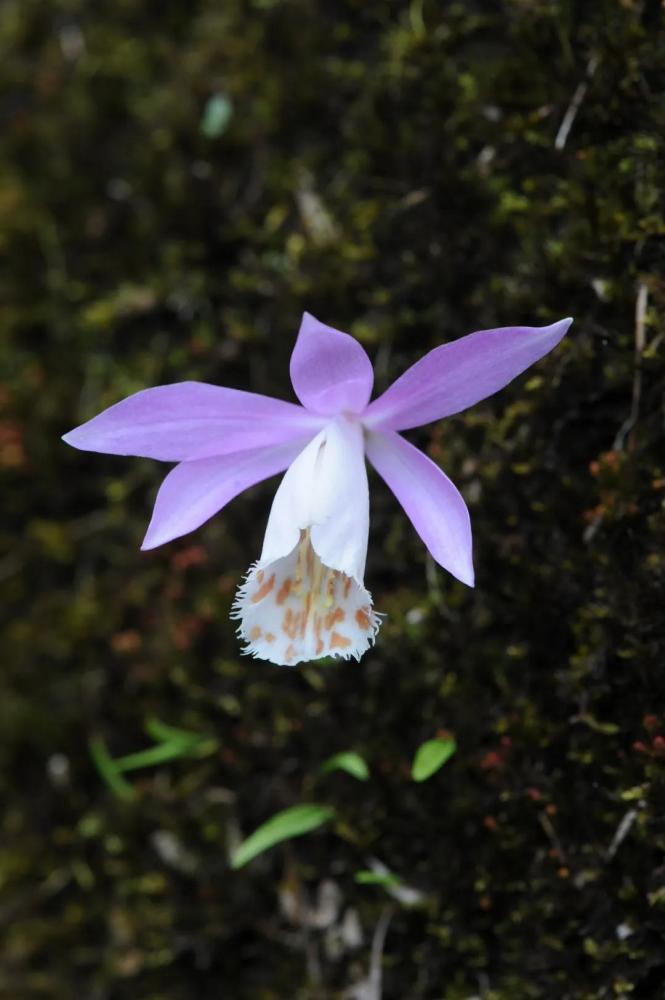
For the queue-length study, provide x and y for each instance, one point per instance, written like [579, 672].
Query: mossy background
[178, 181]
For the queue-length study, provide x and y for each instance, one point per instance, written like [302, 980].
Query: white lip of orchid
[298, 609]
[293, 606]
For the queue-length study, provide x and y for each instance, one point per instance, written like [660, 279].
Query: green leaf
[108, 769]
[172, 744]
[293, 822]
[161, 733]
[430, 757]
[367, 877]
[347, 761]
[160, 754]
[216, 116]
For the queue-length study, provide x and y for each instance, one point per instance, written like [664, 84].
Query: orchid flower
[305, 597]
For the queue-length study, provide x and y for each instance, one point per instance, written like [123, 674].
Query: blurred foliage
[285, 825]
[430, 758]
[177, 183]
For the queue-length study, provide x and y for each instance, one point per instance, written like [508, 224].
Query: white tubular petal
[305, 598]
[292, 508]
[325, 489]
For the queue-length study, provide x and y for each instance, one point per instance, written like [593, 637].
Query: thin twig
[641, 304]
[575, 105]
[640, 344]
[548, 827]
[378, 942]
[622, 832]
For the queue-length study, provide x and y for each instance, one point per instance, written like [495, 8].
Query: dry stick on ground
[641, 304]
[622, 832]
[371, 987]
[575, 105]
[378, 942]
[548, 827]
[640, 344]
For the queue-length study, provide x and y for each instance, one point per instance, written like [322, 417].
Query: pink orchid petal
[330, 371]
[192, 420]
[455, 376]
[194, 491]
[432, 503]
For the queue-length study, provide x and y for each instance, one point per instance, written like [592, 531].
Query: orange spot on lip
[270, 637]
[304, 616]
[264, 590]
[284, 590]
[255, 634]
[362, 618]
[290, 652]
[334, 616]
[347, 586]
[319, 647]
[339, 641]
[290, 623]
[259, 576]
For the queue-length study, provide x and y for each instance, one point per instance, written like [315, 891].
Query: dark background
[178, 181]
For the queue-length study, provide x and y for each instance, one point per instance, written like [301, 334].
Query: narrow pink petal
[454, 376]
[191, 420]
[431, 502]
[194, 491]
[330, 371]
